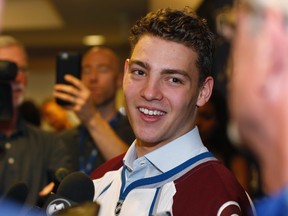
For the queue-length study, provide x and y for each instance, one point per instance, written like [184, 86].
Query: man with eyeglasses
[27, 154]
[259, 94]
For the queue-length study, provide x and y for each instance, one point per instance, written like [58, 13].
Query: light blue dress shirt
[163, 159]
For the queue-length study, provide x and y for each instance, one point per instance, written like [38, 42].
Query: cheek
[85, 80]
[181, 102]
[129, 92]
[21, 78]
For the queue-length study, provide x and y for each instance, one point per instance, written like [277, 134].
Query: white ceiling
[50, 24]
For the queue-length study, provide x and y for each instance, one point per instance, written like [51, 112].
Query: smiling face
[162, 90]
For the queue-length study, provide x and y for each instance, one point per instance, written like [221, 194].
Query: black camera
[8, 73]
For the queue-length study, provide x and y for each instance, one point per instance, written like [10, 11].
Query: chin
[17, 102]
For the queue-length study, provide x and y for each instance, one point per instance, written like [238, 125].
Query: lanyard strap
[87, 166]
[155, 180]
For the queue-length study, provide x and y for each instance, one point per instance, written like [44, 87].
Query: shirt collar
[178, 151]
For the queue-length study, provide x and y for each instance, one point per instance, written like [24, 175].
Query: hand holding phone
[67, 63]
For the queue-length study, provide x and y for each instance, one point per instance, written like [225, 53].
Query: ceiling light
[93, 40]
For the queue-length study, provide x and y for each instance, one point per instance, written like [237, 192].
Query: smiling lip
[151, 112]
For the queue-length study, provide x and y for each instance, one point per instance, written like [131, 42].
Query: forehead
[99, 55]
[13, 53]
[160, 53]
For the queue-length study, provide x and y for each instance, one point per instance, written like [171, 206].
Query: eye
[86, 70]
[138, 72]
[175, 80]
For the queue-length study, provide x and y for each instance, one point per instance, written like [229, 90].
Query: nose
[151, 90]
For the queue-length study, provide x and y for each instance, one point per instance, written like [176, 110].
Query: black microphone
[17, 193]
[14, 199]
[61, 173]
[57, 176]
[74, 189]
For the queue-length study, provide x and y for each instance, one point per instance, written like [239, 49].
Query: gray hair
[7, 40]
[281, 5]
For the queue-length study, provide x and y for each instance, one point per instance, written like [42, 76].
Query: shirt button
[11, 160]
[7, 145]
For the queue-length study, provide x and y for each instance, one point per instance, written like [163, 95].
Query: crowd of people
[173, 147]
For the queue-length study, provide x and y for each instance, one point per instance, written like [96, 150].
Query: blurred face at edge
[251, 57]
[16, 54]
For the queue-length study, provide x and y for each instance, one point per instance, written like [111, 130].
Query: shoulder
[113, 164]
[210, 173]
[209, 188]
[71, 132]
[33, 131]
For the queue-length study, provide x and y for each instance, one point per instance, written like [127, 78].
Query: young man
[27, 154]
[104, 132]
[167, 169]
[259, 92]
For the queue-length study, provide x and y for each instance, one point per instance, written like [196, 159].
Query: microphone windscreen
[18, 192]
[61, 173]
[56, 203]
[77, 186]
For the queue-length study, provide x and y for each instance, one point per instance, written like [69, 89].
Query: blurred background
[46, 27]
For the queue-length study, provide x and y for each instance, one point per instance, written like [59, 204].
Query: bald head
[102, 75]
[109, 53]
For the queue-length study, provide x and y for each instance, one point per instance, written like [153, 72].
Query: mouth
[151, 112]
[17, 87]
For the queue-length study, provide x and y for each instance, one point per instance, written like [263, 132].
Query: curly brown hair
[181, 26]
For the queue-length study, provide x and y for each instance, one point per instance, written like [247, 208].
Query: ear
[126, 67]
[205, 91]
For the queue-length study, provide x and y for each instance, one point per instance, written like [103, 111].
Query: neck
[7, 127]
[107, 111]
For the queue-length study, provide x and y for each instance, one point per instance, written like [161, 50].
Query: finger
[47, 189]
[67, 89]
[73, 80]
[65, 97]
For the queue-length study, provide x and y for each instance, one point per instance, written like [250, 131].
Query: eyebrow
[139, 63]
[163, 72]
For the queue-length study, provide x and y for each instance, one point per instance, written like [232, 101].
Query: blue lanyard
[155, 179]
[88, 166]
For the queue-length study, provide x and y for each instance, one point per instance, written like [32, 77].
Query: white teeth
[151, 112]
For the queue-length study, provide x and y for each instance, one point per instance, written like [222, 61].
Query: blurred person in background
[212, 120]
[27, 153]
[104, 132]
[55, 118]
[259, 94]
[30, 112]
